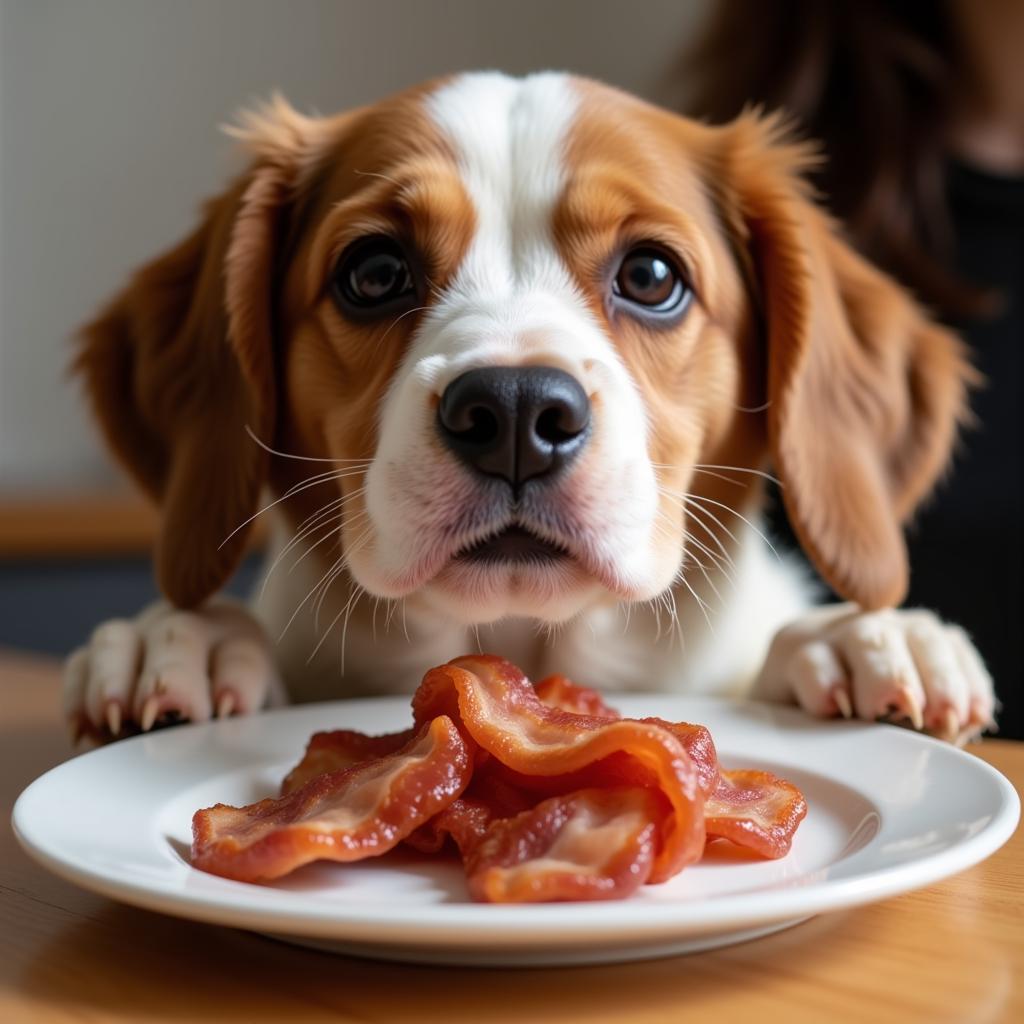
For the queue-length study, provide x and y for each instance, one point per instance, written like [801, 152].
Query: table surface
[953, 952]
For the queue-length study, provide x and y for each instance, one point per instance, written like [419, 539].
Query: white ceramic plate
[889, 811]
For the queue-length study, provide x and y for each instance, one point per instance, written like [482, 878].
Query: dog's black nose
[515, 422]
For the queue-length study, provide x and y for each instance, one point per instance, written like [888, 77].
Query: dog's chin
[483, 592]
[511, 573]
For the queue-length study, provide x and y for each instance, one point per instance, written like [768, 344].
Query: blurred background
[109, 139]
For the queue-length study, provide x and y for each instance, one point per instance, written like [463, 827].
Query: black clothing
[966, 556]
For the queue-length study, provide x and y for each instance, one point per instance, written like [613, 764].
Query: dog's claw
[911, 706]
[842, 699]
[149, 712]
[114, 718]
[225, 704]
[950, 725]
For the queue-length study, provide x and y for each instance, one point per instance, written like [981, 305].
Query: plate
[889, 811]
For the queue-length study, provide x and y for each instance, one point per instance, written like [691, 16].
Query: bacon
[488, 797]
[698, 744]
[757, 810]
[558, 692]
[346, 815]
[465, 820]
[546, 791]
[341, 748]
[500, 710]
[592, 844]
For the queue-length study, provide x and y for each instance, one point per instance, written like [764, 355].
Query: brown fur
[235, 327]
[213, 337]
[864, 392]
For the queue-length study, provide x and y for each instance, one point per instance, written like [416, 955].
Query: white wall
[108, 140]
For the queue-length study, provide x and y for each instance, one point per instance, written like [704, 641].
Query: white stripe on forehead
[508, 136]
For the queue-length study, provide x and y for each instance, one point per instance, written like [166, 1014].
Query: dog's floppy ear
[864, 393]
[182, 361]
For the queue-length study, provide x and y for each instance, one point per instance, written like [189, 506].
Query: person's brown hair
[871, 82]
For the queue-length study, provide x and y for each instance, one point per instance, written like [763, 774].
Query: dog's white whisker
[337, 529]
[705, 609]
[302, 603]
[718, 476]
[726, 568]
[678, 622]
[704, 572]
[291, 492]
[394, 323]
[337, 569]
[739, 515]
[373, 618]
[349, 608]
[300, 458]
[307, 528]
[701, 466]
[691, 511]
[692, 506]
[340, 566]
[327, 632]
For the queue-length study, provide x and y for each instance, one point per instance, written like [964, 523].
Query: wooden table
[954, 952]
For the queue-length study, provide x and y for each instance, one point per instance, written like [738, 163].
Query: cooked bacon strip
[466, 820]
[559, 692]
[697, 742]
[489, 796]
[499, 708]
[757, 810]
[343, 816]
[589, 845]
[548, 793]
[341, 748]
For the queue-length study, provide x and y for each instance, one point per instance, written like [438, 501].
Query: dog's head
[523, 320]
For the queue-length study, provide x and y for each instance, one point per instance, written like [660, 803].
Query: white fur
[512, 302]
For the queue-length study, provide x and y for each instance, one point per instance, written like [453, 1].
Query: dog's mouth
[513, 544]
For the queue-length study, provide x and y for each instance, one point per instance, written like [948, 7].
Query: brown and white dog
[511, 357]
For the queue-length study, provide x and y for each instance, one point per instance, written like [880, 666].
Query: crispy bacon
[593, 844]
[558, 692]
[344, 815]
[465, 820]
[499, 708]
[341, 748]
[488, 797]
[546, 791]
[757, 810]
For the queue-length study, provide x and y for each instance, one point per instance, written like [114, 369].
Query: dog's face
[527, 323]
[526, 318]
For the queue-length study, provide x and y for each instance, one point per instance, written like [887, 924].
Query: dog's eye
[649, 278]
[372, 273]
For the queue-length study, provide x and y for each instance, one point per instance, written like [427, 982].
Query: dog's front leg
[903, 665]
[168, 666]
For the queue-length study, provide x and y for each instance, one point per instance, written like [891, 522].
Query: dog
[509, 361]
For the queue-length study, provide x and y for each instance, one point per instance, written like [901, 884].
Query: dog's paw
[169, 666]
[906, 666]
